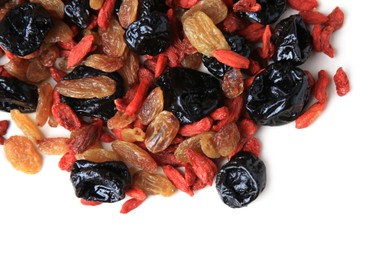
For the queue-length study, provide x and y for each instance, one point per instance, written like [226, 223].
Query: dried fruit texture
[60, 32]
[136, 193]
[247, 6]
[309, 116]
[203, 34]
[139, 97]
[208, 146]
[177, 179]
[4, 124]
[53, 146]
[132, 135]
[232, 84]
[154, 184]
[98, 155]
[161, 132]
[326, 46]
[231, 58]
[215, 9]
[192, 61]
[65, 116]
[253, 32]
[151, 107]
[48, 56]
[26, 125]
[56, 74]
[84, 138]
[44, 104]
[54, 7]
[22, 154]
[313, 17]
[247, 127]
[196, 128]
[104, 62]
[267, 50]
[342, 83]
[96, 4]
[303, 5]
[335, 19]
[112, 39]
[105, 13]
[17, 67]
[134, 156]
[128, 12]
[129, 71]
[67, 161]
[320, 87]
[235, 108]
[130, 205]
[226, 139]
[79, 51]
[193, 143]
[90, 202]
[203, 167]
[120, 120]
[36, 72]
[91, 87]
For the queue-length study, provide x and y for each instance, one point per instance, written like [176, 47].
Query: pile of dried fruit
[168, 124]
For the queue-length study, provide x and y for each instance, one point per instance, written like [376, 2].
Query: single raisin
[241, 180]
[270, 11]
[153, 183]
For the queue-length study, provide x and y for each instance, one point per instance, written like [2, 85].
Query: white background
[323, 198]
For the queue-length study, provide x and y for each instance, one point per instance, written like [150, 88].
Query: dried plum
[150, 34]
[103, 108]
[190, 94]
[24, 27]
[238, 44]
[241, 180]
[270, 11]
[278, 94]
[15, 94]
[102, 182]
[292, 40]
[77, 12]
[146, 7]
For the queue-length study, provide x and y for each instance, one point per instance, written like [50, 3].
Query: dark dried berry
[292, 40]
[241, 180]
[278, 95]
[103, 108]
[102, 182]
[15, 94]
[146, 7]
[23, 28]
[150, 34]
[190, 94]
[270, 11]
[77, 12]
[238, 44]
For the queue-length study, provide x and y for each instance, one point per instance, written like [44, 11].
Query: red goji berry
[185, 3]
[316, 34]
[2, 140]
[232, 23]
[107, 137]
[267, 47]
[246, 6]
[93, 23]
[136, 193]
[81, 49]
[235, 108]
[303, 5]
[105, 13]
[254, 67]
[198, 184]
[313, 17]
[56, 74]
[203, 167]
[253, 146]
[4, 125]
[342, 83]
[67, 160]
[309, 116]
[253, 32]
[160, 65]
[67, 45]
[89, 202]
[165, 158]
[65, 116]
[196, 128]
[177, 179]
[139, 97]
[325, 41]
[190, 176]
[130, 205]
[310, 79]
[247, 128]
[86, 136]
[231, 59]
[335, 19]
[220, 113]
[320, 88]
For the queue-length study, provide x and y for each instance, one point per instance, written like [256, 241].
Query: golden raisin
[152, 106]
[153, 183]
[232, 84]
[112, 39]
[215, 9]
[128, 12]
[133, 135]
[26, 125]
[53, 146]
[104, 62]
[208, 145]
[44, 103]
[227, 138]
[120, 120]
[98, 155]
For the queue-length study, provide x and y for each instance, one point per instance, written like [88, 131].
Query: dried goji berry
[65, 116]
[105, 13]
[130, 205]
[267, 47]
[231, 59]
[198, 184]
[247, 128]
[313, 17]
[107, 137]
[235, 108]
[185, 3]
[325, 41]
[190, 176]
[253, 146]
[139, 97]
[4, 124]
[310, 78]
[253, 32]
[177, 179]
[67, 160]
[81, 49]
[335, 19]
[220, 113]
[198, 127]
[316, 34]
[232, 23]
[341, 82]
[90, 202]
[85, 137]
[308, 117]
[136, 193]
[303, 5]
[203, 167]
[320, 88]
[246, 6]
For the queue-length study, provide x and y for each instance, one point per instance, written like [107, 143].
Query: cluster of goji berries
[104, 93]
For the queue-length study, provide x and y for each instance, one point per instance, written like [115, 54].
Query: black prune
[238, 44]
[103, 108]
[292, 40]
[77, 12]
[270, 11]
[146, 7]
[102, 182]
[24, 27]
[15, 94]
[241, 180]
[150, 34]
[190, 94]
[278, 94]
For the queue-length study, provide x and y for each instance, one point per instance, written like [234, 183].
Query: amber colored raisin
[112, 39]
[161, 131]
[104, 62]
[133, 135]
[17, 67]
[91, 87]
[193, 143]
[36, 72]
[232, 84]
[96, 4]
[44, 104]
[203, 34]
[120, 120]
[127, 13]
[129, 71]
[154, 184]
[152, 106]
[208, 146]
[98, 155]
[215, 9]
[22, 154]
[134, 156]
[192, 61]
[60, 32]
[227, 138]
[53, 145]
[48, 56]
[26, 125]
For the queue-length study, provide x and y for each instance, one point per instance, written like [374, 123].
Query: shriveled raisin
[232, 84]
[53, 145]
[112, 39]
[98, 155]
[26, 125]
[128, 12]
[44, 104]
[215, 9]
[152, 106]
[104, 62]
[227, 138]
[153, 183]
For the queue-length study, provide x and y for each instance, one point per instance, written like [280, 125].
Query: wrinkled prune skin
[103, 108]
[292, 40]
[150, 34]
[102, 182]
[146, 7]
[15, 94]
[77, 12]
[241, 180]
[24, 28]
[238, 44]
[278, 95]
[190, 94]
[270, 12]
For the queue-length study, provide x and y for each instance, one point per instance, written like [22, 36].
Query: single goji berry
[81, 49]
[235, 108]
[90, 203]
[253, 146]
[246, 6]
[325, 41]
[253, 32]
[203, 167]
[107, 137]
[185, 3]
[247, 128]
[136, 193]
[85, 137]
[177, 179]
[220, 113]
[303, 5]
[232, 23]
[267, 47]
[198, 127]
[4, 124]
[335, 19]
[313, 17]
[139, 97]
[231, 59]
[316, 34]
[341, 82]
[198, 184]
[105, 14]
[310, 78]
[320, 88]
[160, 65]
[130, 205]
[67, 160]
[65, 116]
[309, 116]
[190, 176]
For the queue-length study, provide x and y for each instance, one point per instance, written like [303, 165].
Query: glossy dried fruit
[22, 154]
[65, 116]
[241, 180]
[154, 184]
[208, 145]
[23, 28]
[341, 82]
[203, 167]
[96, 4]
[193, 143]
[53, 145]
[54, 7]
[80, 50]
[127, 13]
[134, 156]
[112, 39]
[226, 139]
[60, 32]
[177, 179]
[84, 138]
[120, 120]
[17, 67]
[161, 132]
[215, 9]
[44, 104]
[77, 12]
[203, 34]
[270, 11]
[133, 135]
[105, 13]
[104, 62]
[129, 71]
[232, 84]
[98, 155]
[151, 107]
[26, 125]
[102, 182]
